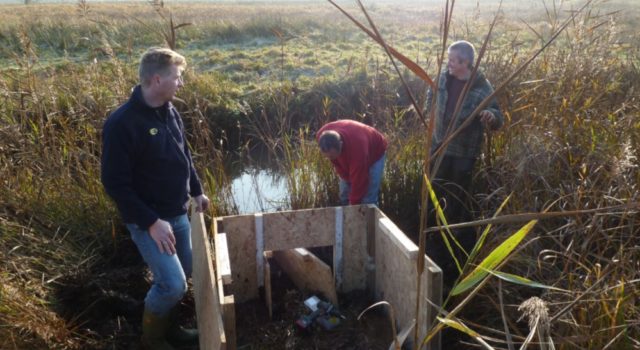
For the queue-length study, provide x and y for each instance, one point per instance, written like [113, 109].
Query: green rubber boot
[179, 335]
[154, 328]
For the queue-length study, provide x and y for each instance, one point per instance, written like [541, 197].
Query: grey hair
[465, 49]
[330, 140]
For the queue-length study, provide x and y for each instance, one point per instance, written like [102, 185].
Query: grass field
[267, 75]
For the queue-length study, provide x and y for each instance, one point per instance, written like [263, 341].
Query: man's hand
[162, 234]
[202, 203]
[487, 117]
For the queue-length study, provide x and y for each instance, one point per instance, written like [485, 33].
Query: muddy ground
[107, 307]
[256, 331]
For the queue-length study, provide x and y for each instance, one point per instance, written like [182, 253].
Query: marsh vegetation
[261, 79]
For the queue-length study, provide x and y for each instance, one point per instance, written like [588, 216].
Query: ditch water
[258, 190]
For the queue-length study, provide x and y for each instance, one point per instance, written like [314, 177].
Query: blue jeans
[170, 272]
[375, 179]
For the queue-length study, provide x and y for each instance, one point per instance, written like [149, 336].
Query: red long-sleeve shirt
[362, 146]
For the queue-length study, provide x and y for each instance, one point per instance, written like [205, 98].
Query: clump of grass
[34, 260]
[311, 180]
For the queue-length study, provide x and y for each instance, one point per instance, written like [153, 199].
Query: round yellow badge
[153, 131]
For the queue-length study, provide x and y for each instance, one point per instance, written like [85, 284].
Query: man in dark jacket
[148, 171]
[452, 182]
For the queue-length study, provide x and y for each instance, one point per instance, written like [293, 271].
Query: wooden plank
[338, 249]
[259, 229]
[397, 237]
[432, 289]
[354, 242]
[396, 276]
[300, 228]
[223, 265]
[307, 272]
[228, 316]
[373, 215]
[241, 241]
[267, 283]
[226, 301]
[208, 309]
[229, 320]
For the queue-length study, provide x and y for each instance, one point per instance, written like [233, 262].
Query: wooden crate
[370, 253]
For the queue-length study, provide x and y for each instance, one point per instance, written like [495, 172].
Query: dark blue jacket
[146, 165]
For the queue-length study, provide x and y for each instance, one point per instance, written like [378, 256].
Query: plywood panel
[432, 291]
[209, 313]
[229, 320]
[298, 229]
[226, 301]
[403, 244]
[396, 272]
[267, 283]
[354, 248]
[307, 272]
[241, 241]
[396, 279]
[223, 265]
[373, 215]
[338, 249]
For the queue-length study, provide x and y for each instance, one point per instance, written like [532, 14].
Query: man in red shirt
[357, 152]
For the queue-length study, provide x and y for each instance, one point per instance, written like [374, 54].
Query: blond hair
[158, 60]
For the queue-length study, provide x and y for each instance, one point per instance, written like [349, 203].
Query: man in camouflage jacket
[452, 182]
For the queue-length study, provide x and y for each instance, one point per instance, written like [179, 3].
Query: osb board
[354, 248]
[226, 301]
[299, 229]
[267, 283]
[223, 266]
[308, 272]
[209, 313]
[373, 215]
[241, 242]
[431, 290]
[396, 274]
[229, 320]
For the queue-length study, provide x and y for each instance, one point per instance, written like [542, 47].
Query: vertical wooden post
[371, 250]
[260, 249]
[229, 321]
[338, 249]
[205, 289]
[354, 249]
[223, 275]
[433, 293]
[267, 283]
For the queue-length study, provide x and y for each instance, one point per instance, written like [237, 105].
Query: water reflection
[259, 190]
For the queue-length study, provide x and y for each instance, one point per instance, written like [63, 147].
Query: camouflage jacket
[468, 142]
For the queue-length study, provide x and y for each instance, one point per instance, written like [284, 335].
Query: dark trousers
[452, 185]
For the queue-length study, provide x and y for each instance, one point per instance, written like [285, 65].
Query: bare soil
[256, 331]
[107, 307]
